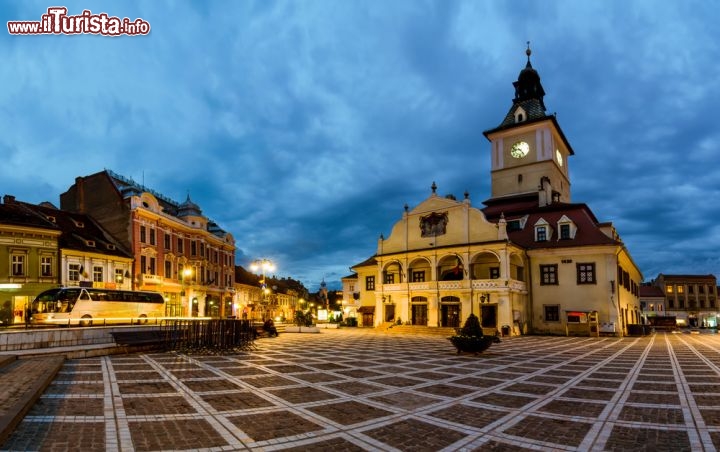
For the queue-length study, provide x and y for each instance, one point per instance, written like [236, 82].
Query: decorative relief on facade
[434, 224]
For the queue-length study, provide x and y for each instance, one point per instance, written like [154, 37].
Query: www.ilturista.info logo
[57, 22]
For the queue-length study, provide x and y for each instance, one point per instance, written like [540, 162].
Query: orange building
[177, 251]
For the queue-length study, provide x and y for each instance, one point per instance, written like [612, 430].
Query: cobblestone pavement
[359, 390]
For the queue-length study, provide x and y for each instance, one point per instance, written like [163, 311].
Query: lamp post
[263, 266]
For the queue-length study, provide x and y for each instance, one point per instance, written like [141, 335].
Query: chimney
[8, 199]
[80, 194]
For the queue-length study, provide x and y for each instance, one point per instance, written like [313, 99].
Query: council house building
[529, 261]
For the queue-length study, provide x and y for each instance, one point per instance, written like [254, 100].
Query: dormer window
[520, 115]
[540, 233]
[111, 247]
[51, 219]
[79, 224]
[543, 231]
[567, 228]
[90, 243]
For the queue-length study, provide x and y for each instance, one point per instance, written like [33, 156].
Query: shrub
[472, 327]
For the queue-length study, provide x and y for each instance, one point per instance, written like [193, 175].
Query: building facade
[89, 255]
[692, 299]
[530, 260]
[29, 259]
[177, 251]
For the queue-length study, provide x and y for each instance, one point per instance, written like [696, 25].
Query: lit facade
[692, 299]
[177, 251]
[29, 254]
[530, 260]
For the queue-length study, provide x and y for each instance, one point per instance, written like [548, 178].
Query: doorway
[419, 314]
[488, 317]
[390, 313]
[450, 315]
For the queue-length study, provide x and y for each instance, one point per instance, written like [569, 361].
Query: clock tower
[528, 149]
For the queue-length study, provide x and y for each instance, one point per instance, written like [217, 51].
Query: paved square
[356, 389]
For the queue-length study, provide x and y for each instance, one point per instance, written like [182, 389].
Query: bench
[149, 337]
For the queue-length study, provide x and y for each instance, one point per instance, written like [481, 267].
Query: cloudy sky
[303, 127]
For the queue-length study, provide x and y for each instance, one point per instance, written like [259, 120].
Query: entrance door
[390, 313]
[450, 315]
[419, 314]
[489, 317]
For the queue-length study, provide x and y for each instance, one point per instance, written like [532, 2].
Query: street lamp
[263, 266]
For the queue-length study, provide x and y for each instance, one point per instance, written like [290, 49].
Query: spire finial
[433, 187]
[528, 52]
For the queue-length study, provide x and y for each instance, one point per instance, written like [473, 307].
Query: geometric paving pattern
[359, 390]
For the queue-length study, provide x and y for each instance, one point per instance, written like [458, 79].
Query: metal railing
[207, 335]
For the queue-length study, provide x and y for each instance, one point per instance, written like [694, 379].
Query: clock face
[520, 149]
[558, 156]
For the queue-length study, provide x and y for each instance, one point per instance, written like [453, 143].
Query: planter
[301, 329]
[471, 344]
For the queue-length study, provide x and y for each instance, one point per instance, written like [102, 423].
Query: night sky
[303, 127]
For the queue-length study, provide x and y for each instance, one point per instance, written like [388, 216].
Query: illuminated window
[680, 289]
[119, 278]
[669, 288]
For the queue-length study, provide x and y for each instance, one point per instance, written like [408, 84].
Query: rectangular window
[418, 276]
[97, 274]
[690, 289]
[152, 236]
[389, 278]
[168, 269]
[180, 243]
[494, 272]
[701, 288]
[669, 288]
[151, 270]
[681, 303]
[193, 248]
[552, 312]
[671, 303]
[548, 275]
[680, 289]
[711, 303]
[564, 231]
[167, 241]
[369, 283]
[143, 234]
[18, 265]
[74, 272]
[46, 266]
[119, 278]
[586, 273]
[541, 234]
[143, 264]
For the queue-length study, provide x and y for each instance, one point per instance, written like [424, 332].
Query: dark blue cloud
[303, 128]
